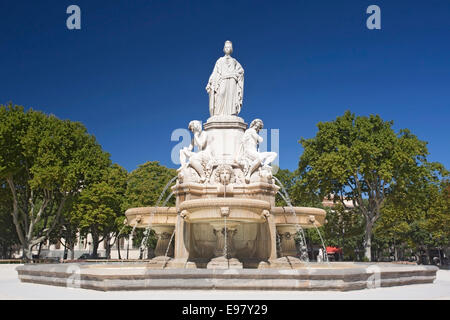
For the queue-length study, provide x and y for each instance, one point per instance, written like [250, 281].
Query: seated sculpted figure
[196, 160]
[250, 153]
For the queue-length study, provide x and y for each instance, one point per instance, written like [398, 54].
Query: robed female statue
[226, 85]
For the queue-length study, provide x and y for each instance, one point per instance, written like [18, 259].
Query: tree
[45, 161]
[98, 209]
[146, 183]
[145, 187]
[8, 236]
[344, 229]
[418, 215]
[361, 159]
[436, 211]
[67, 232]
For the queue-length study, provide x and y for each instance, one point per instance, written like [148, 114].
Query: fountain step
[224, 263]
[138, 276]
[287, 262]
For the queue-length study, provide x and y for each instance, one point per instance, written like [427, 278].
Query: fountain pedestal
[226, 132]
[224, 250]
[164, 234]
[287, 240]
[224, 245]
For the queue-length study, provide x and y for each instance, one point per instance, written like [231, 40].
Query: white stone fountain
[225, 192]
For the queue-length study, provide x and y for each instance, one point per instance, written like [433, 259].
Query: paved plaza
[12, 288]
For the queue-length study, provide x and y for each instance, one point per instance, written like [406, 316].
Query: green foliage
[146, 183]
[139, 235]
[355, 155]
[419, 214]
[344, 229]
[144, 188]
[98, 209]
[287, 178]
[360, 159]
[8, 235]
[45, 161]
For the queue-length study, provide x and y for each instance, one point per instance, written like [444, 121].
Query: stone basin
[144, 216]
[306, 217]
[143, 276]
[216, 209]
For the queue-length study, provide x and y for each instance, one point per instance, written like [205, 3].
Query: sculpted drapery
[226, 85]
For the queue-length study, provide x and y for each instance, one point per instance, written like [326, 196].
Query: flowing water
[167, 250]
[288, 201]
[285, 196]
[280, 253]
[134, 228]
[323, 243]
[225, 246]
[300, 231]
[149, 226]
[165, 189]
[120, 232]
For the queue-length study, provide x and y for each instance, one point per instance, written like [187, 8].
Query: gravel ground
[12, 288]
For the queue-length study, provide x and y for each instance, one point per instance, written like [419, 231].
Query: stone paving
[12, 288]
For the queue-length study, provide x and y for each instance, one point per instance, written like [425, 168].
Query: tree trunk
[107, 242]
[128, 248]
[368, 242]
[118, 249]
[27, 253]
[95, 244]
[39, 250]
[72, 251]
[64, 257]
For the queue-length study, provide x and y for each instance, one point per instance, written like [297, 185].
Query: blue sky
[137, 69]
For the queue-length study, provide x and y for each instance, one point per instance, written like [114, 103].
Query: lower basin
[142, 276]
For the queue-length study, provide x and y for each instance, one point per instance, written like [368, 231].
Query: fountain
[225, 214]
[226, 230]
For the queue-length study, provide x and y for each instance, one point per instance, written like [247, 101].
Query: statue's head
[257, 124]
[228, 47]
[195, 126]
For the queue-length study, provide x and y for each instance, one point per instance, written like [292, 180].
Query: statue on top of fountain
[247, 160]
[227, 150]
[249, 157]
[226, 85]
[201, 161]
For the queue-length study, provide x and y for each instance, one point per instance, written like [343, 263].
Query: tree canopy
[146, 183]
[98, 209]
[361, 159]
[44, 161]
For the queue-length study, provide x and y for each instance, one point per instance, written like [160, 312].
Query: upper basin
[216, 209]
